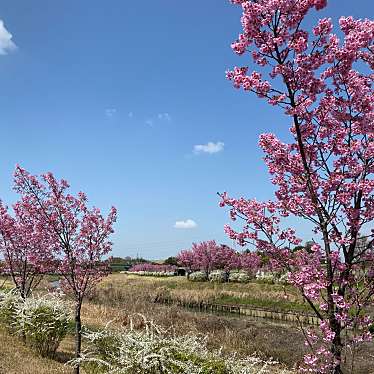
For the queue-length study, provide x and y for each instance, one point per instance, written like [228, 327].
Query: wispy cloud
[187, 224]
[110, 112]
[209, 148]
[164, 117]
[6, 43]
[160, 117]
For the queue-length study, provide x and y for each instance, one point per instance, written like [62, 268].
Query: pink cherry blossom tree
[207, 256]
[250, 262]
[325, 174]
[27, 248]
[185, 258]
[199, 257]
[81, 235]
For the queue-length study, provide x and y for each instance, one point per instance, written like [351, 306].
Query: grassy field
[285, 343]
[272, 296]
[119, 296]
[15, 358]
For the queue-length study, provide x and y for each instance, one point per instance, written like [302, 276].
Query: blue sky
[115, 96]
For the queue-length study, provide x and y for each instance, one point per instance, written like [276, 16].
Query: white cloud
[164, 116]
[208, 148]
[187, 224]
[153, 120]
[110, 112]
[6, 43]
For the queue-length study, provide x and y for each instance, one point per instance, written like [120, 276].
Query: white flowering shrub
[239, 277]
[265, 277]
[218, 276]
[153, 273]
[153, 270]
[269, 277]
[233, 276]
[44, 322]
[153, 350]
[198, 276]
[244, 278]
[157, 273]
[10, 303]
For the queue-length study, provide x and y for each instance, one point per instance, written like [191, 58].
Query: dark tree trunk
[337, 351]
[78, 334]
[22, 332]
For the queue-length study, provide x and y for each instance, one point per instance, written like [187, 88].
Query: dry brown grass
[16, 358]
[5, 282]
[120, 295]
[272, 296]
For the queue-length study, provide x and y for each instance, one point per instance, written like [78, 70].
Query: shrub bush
[243, 278]
[44, 322]
[104, 347]
[269, 277]
[153, 273]
[10, 303]
[265, 277]
[239, 277]
[234, 275]
[198, 276]
[218, 276]
[153, 350]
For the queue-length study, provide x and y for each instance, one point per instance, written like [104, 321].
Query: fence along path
[243, 310]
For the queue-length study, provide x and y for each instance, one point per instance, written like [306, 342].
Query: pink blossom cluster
[156, 268]
[208, 256]
[28, 249]
[324, 174]
[78, 234]
[53, 230]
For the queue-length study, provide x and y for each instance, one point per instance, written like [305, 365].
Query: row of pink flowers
[155, 268]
